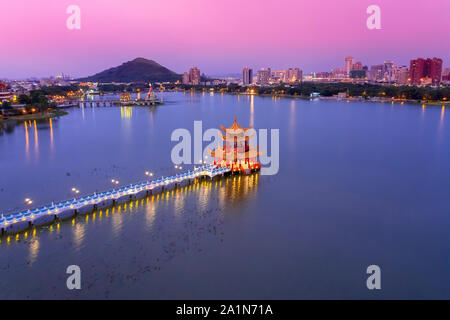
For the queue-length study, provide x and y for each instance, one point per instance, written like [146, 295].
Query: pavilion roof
[234, 127]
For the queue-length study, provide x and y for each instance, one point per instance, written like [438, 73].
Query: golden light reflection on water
[150, 210]
[126, 112]
[224, 192]
[179, 201]
[117, 220]
[79, 231]
[36, 139]
[34, 250]
[292, 122]
[33, 127]
[51, 134]
[27, 142]
[203, 194]
[441, 124]
[252, 110]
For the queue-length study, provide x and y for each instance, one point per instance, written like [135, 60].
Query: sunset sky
[217, 36]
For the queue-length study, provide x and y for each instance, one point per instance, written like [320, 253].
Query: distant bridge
[107, 102]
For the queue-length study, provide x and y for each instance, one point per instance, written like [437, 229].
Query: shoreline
[348, 99]
[35, 116]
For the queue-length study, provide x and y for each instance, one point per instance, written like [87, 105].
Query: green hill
[137, 70]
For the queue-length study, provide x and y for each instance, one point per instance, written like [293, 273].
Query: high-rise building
[446, 74]
[358, 74]
[279, 76]
[186, 78]
[263, 76]
[402, 75]
[423, 71]
[293, 75]
[357, 66]
[322, 75]
[416, 70]
[247, 76]
[376, 72]
[194, 76]
[338, 73]
[348, 65]
[389, 70]
[435, 70]
[5, 95]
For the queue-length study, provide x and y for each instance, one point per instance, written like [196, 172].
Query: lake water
[359, 184]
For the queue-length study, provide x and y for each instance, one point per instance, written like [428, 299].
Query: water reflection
[7, 127]
[126, 112]
[150, 211]
[79, 230]
[34, 247]
[441, 125]
[36, 139]
[252, 110]
[27, 142]
[179, 201]
[199, 197]
[117, 219]
[292, 122]
[52, 142]
[325, 184]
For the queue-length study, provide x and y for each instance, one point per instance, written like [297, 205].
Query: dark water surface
[359, 184]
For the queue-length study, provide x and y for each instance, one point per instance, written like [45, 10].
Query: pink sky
[217, 36]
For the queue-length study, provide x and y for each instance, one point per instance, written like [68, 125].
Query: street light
[75, 191]
[114, 181]
[28, 201]
[148, 173]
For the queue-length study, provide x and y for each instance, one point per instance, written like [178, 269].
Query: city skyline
[347, 67]
[179, 34]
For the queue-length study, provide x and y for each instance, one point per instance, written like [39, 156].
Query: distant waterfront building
[358, 74]
[5, 95]
[376, 72]
[194, 76]
[338, 73]
[322, 75]
[357, 66]
[416, 70]
[247, 76]
[402, 75]
[446, 75]
[436, 71]
[342, 95]
[389, 71]
[185, 78]
[278, 76]
[423, 71]
[263, 76]
[445, 72]
[348, 65]
[293, 75]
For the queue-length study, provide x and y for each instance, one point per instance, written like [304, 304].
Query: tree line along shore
[37, 104]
